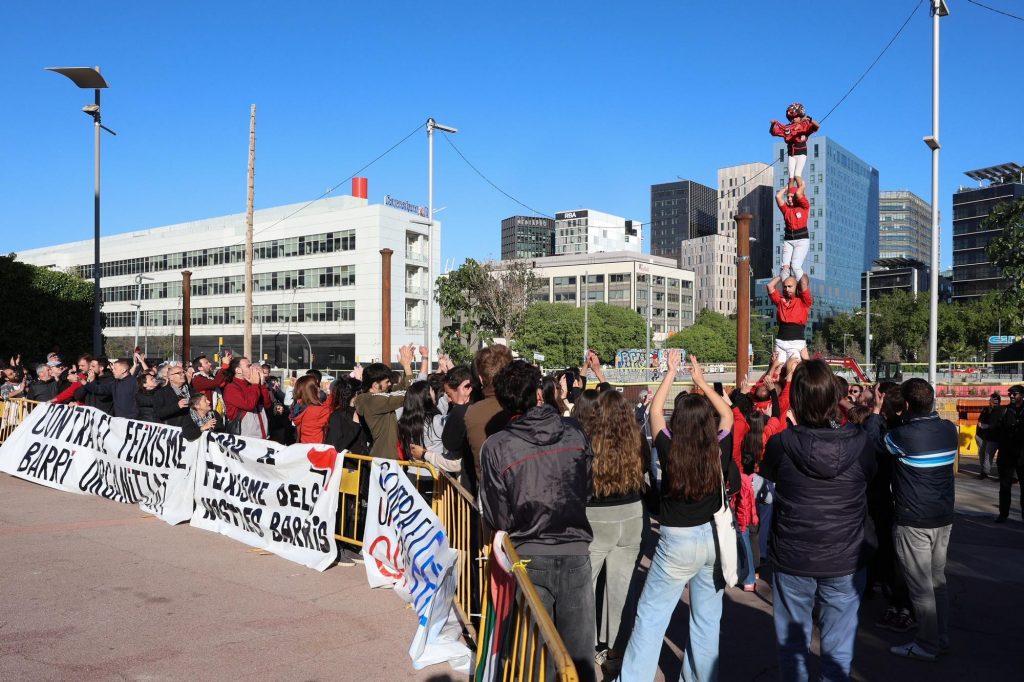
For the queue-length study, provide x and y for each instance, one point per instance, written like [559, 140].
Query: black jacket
[345, 434]
[122, 391]
[165, 402]
[923, 484]
[190, 431]
[1010, 431]
[821, 478]
[535, 480]
[101, 401]
[43, 391]
[146, 402]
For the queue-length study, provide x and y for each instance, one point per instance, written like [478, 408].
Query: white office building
[713, 262]
[587, 231]
[621, 278]
[316, 280]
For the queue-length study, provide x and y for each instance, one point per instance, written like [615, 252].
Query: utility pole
[939, 9]
[867, 321]
[742, 295]
[247, 336]
[586, 314]
[650, 320]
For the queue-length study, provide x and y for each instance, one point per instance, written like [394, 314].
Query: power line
[997, 11]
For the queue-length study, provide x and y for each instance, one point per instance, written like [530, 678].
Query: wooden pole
[385, 306]
[186, 317]
[742, 295]
[247, 342]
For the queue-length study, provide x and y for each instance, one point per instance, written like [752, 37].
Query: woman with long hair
[551, 391]
[615, 509]
[311, 422]
[420, 428]
[694, 455]
[344, 430]
[584, 410]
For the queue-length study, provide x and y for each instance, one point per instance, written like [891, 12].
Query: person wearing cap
[1010, 435]
[986, 436]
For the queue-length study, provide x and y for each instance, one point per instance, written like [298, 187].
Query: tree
[458, 294]
[556, 331]
[504, 296]
[1006, 251]
[711, 337]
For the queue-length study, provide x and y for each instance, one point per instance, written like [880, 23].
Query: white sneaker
[912, 650]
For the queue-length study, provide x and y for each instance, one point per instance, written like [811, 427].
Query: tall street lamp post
[429, 327]
[90, 78]
[939, 9]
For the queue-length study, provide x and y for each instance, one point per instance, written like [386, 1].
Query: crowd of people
[833, 489]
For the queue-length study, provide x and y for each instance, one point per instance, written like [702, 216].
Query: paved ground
[99, 591]
[94, 590]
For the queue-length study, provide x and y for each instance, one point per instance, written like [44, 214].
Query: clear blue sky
[564, 105]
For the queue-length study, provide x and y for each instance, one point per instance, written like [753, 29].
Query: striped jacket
[923, 480]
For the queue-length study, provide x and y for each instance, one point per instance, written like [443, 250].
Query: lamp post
[89, 78]
[939, 9]
[138, 305]
[287, 339]
[586, 314]
[845, 336]
[288, 333]
[431, 125]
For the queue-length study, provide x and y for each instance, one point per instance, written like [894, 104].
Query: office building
[681, 210]
[316, 277]
[622, 278]
[748, 188]
[973, 274]
[890, 275]
[713, 262]
[527, 237]
[585, 231]
[843, 226]
[904, 226]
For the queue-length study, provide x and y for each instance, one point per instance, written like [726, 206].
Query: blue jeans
[684, 555]
[746, 559]
[793, 601]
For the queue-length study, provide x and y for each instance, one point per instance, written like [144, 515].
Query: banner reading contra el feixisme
[83, 450]
[279, 498]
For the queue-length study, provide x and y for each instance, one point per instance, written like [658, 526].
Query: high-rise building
[973, 274]
[904, 226]
[890, 275]
[748, 188]
[527, 237]
[681, 210]
[843, 223]
[713, 261]
[586, 231]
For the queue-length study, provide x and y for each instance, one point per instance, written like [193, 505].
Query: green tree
[711, 337]
[556, 331]
[1006, 252]
[458, 295]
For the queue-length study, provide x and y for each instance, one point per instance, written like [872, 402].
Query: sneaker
[912, 650]
[354, 557]
[888, 618]
[749, 588]
[600, 657]
[903, 622]
[343, 560]
[1000, 519]
[982, 476]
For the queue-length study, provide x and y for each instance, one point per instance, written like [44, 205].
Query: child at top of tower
[795, 133]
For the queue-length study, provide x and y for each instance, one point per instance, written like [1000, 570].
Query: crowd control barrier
[13, 412]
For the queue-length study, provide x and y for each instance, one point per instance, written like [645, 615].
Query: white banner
[281, 499]
[405, 547]
[83, 450]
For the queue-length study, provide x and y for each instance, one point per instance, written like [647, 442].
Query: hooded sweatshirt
[821, 478]
[535, 483]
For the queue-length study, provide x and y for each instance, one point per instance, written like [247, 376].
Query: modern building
[973, 274]
[681, 210]
[843, 225]
[316, 277]
[622, 278]
[586, 231]
[527, 237]
[713, 262]
[904, 226]
[890, 275]
[749, 188]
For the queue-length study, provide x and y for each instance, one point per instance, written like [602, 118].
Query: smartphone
[138, 349]
[719, 388]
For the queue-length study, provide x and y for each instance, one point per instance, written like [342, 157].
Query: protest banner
[279, 498]
[405, 547]
[83, 450]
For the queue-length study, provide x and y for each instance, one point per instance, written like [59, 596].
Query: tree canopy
[1006, 252]
[556, 331]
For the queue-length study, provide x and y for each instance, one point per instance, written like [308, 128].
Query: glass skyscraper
[681, 210]
[843, 192]
[905, 226]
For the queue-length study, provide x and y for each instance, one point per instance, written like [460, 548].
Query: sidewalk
[94, 590]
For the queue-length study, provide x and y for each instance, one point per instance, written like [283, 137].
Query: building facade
[527, 237]
[904, 226]
[681, 210]
[713, 262]
[843, 225]
[890, 275]
[316, 279]
[973, 274]
[648, 284]
[586, 231]
[749, 188]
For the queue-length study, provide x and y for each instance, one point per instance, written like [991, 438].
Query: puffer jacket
[535, 483]
[923, 482]
[821, 478]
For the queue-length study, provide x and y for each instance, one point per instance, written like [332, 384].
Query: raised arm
[773, 284]
[725, 418]
[658, 404]
[800, 186]
[780, 199]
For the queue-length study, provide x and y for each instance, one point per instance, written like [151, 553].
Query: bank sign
[404, 206]
[571, 215]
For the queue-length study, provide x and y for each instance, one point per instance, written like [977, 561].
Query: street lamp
[90, 78]
[845, 336]
[138, 305]
[431, 126]
[867, 333]
[939, 9]
[287, 340]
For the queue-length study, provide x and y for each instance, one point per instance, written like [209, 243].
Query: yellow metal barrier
[456, 508]
[529, 647]
[13, 413]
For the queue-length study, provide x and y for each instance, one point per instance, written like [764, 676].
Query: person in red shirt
[246, 398]
[795, 133]
[795, 209]
[311, 423]
[793, 308]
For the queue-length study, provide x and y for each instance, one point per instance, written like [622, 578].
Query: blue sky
[564, 105]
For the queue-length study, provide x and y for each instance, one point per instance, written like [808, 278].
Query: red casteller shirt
[792, 313]
[795, 217]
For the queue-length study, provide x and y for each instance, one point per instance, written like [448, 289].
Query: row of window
[313, 278]
[327, 242]
[315, 311]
